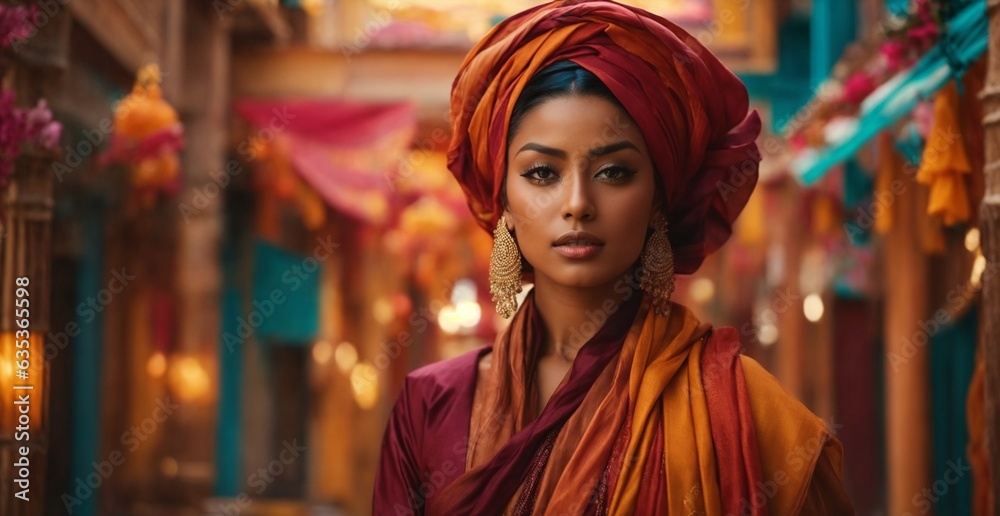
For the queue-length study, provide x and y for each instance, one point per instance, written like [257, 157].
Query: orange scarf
[644, 439]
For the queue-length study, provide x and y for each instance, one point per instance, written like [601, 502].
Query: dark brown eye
[540, 174]
[616, 174]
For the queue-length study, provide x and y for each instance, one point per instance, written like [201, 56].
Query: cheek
[520, 205]
[529, 204]
[633, 234]
[631, 216]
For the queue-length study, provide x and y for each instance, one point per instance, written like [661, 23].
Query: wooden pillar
[989, 215]
[199, 81]
[907, 408]
[787, 303]
[819, 348]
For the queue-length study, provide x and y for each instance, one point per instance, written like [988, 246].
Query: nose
[578, 202]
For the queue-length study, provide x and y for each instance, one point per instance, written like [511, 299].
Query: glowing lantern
[187, 378]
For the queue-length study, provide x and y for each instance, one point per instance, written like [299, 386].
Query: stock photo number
[22, 363]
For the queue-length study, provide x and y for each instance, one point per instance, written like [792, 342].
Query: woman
[607, 150]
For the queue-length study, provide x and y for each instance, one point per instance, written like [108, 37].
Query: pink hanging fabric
[347, 151]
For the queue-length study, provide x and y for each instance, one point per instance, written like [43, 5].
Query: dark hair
[560, 79]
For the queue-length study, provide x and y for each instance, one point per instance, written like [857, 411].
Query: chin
[586, 276]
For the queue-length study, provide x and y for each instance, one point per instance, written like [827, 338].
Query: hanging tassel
[945, 164]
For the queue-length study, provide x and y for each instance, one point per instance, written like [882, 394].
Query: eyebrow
[537, 147]
[612, 148]
[593, 153]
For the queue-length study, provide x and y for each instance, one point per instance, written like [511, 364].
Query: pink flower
[40, 128]
[33, 126]
[6, 102]
[924, 11]
[894, 54]
[924, 34]
[9, 137]
[857, 87]
[798, 142]
[11, 126]
[37, 118]
[15, 23]
[48, 138]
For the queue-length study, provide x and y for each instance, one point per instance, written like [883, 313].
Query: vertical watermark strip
[21, 396]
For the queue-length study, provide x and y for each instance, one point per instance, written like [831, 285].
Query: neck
[572, 315]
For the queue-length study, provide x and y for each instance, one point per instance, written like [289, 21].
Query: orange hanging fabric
[945, 165]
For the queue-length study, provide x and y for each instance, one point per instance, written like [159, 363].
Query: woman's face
[578, 163]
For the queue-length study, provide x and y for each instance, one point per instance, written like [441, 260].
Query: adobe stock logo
[923, 500]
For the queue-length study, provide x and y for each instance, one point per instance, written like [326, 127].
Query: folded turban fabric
[692, 111]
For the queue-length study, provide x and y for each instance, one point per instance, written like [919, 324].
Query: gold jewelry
[505, 270]
[658, 268]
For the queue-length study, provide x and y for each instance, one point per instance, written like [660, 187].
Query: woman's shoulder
[798, 448]
[769, 396]
[445, 370]
[782, 417]
[800, 457]
[449, 376]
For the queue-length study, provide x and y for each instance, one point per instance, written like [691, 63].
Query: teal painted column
[787, 89]
[229, 429]
[953, 360]
[833, 25]
[86, 418]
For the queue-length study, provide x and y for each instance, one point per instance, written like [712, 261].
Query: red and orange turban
[693, 111]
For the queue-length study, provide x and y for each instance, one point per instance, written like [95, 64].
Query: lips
[578, 245]
[578, 239]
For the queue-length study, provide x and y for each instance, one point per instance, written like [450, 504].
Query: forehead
[580, 120]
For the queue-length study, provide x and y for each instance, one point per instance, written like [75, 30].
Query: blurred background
[240, 234]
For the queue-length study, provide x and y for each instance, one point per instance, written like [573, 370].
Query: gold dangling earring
[658, 268]
[505, 270]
